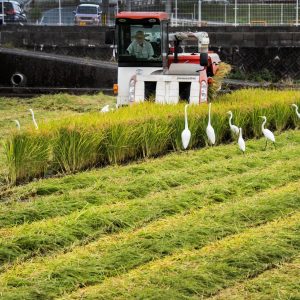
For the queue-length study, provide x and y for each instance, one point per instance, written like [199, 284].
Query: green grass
[201, 273]
[60, 196]
[187, 225]
[119, 253]
[281, 282]
[54, 234]
[46, 108]
[139, 131]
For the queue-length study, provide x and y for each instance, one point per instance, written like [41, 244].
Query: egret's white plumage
[296, 108]
[266, 132]
[105, 109]
[241, 142]
[18, 124]
[33, 119]
[186, 133]
[209, 129]
[234, 129]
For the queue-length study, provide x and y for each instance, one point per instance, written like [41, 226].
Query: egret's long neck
[263, 124]
[209, 113]
[230, 118]
[241, 133]
[185, 117]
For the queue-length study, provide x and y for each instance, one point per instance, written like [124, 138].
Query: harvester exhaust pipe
[18, 79]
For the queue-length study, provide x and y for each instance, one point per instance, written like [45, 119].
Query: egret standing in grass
[241, 141]
[18, 124]
[33, 119]
[266, 132]
[297, 112]
[209, 129]
[105, 109]
[234, 129]
[186, 133]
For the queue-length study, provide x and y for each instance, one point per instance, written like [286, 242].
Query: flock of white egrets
[210, 132]
[236, 131]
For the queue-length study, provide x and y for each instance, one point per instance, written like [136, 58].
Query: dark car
[13, 12]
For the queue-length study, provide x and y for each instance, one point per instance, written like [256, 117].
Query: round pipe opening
[18, 79]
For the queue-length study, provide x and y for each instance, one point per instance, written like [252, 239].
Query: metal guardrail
[183, 12]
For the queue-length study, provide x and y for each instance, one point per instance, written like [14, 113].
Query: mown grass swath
[54, 234]
[202, 273]
[280, 282]
[51, 276]
[166, 178]
[145, 130]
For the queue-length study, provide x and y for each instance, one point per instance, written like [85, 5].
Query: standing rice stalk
[155, 137]
[144, 130]
[27, 156]
[76, 149]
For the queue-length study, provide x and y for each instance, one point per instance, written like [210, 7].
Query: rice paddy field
[207, 223]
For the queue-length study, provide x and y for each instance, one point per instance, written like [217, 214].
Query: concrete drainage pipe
[18, 79]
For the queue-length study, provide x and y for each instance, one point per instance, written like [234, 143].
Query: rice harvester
[152, 64]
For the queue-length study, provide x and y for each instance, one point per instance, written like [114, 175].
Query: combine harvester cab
[152, 65]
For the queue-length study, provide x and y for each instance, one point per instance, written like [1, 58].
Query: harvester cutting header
[152, 63]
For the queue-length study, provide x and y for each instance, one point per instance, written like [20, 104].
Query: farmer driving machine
[152, 64]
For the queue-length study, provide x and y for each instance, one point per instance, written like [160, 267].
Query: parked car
[13, 12]
[87, 14]
[215, 1]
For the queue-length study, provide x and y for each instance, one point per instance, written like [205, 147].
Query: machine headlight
[203, 91]
[131, 90]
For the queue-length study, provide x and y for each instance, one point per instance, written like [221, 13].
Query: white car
[87, 14]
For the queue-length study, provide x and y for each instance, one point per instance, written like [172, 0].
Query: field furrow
[55, 234]
[49, 277]
[201, 273]
[138, 181]
[281, 282]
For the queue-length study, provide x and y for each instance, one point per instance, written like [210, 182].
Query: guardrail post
[235, 12]
[199, 13]
[281, 14]
[297, 12]
[59, 12]
[225, 13]
[176, 13]
[249, 14]
[3, 21]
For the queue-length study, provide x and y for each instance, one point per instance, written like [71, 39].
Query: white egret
[33, 119]
[266, 132]
[17, 124]
[186, 133]
[234, 129]
[105, 109]
[241, 141]
[209, 129]
[297, 112]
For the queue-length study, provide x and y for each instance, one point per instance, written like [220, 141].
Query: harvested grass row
[201, 273]
[54, 234]
[113, 185]
[50, 277]
[281, 282]
[146, 130]
[162, 168]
